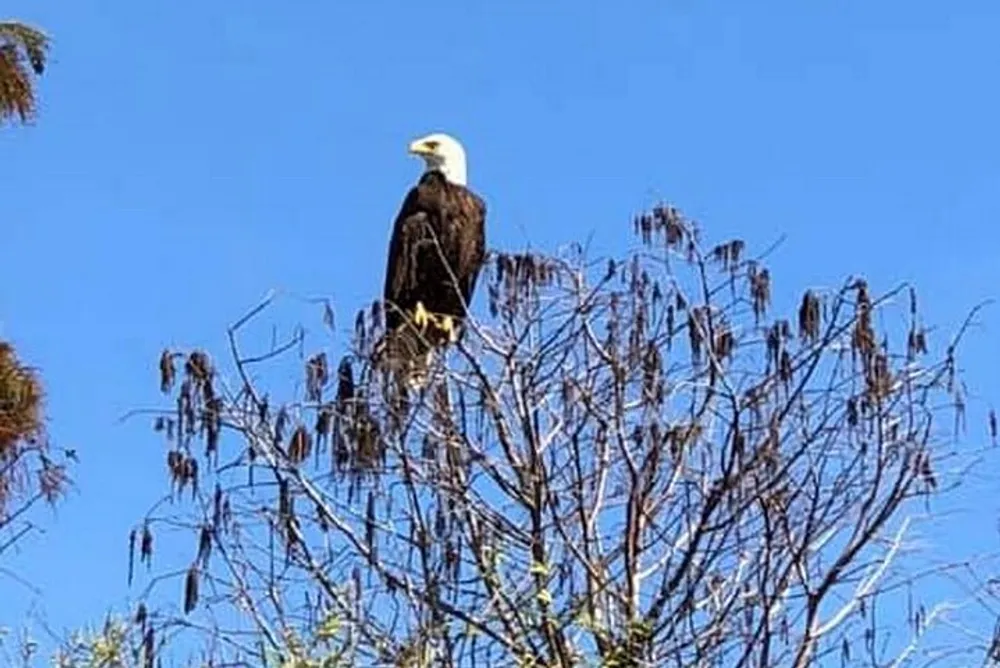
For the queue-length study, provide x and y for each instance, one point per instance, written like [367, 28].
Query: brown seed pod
[167, 371]
[317, 375]
[212, 423]
[360, 329]
[370, 527]
[324, 423]
[191, 470]
[916, 343]
[284, 498]
[191, 589]
[785, 367]
[131, 555]
[727, 254]
[809, 317]
[148, 648]
[694, 334]
[724, 343]
[279, 425]
[345, 384]
[217, 507]
[185, 408]
[175, 464]
[329, 317]
[926, 472]
[204, 545]
[760, 290]
[376, 315]
[300, 445]
[773, 345]
[146, 546]
[198, 367]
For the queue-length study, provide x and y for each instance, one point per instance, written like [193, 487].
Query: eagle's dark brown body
[436, 252]
[438, 242]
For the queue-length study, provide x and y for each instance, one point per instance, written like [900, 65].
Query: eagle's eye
[432, 144]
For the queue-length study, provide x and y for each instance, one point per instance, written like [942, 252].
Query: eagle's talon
[448, 327]
[420, 316]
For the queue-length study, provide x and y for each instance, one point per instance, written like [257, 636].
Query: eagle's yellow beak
[420, 147]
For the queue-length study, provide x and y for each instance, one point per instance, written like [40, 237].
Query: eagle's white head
[442, 152]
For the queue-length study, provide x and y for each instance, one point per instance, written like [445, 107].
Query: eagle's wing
[435, 223]
[401, 268]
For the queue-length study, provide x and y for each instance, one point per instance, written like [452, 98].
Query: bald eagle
[436, 252]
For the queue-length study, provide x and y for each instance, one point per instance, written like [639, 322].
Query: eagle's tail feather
[406, 356]
[418, 371]
[406, 353]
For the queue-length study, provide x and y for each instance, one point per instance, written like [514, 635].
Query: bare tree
[626, 463]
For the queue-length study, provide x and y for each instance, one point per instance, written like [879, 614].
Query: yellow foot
[443, 324]
[424, 319]
[420, 316]
[447, 325]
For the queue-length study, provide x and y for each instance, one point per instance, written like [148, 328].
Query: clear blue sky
[191, 156]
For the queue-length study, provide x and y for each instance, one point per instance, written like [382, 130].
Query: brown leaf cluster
[666, 225]
[317, 375]
[516, 278]
[809, 317]
[183, 470]
[21, 425]
[729, 254]
[21, 401]
[23, 51]
[199, 408]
